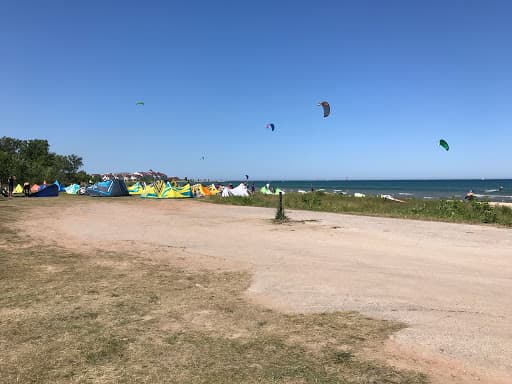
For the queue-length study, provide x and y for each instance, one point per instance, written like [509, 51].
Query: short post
[280, 216]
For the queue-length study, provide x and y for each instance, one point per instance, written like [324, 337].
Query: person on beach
[470, 196]
[26, 188]
[11, 181]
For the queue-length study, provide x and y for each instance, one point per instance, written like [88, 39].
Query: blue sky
[399, 76]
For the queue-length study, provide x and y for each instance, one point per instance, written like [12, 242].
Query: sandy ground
[451, 283]
[500, 203]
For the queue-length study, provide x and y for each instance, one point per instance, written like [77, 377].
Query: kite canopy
[271, 126]
[327, 108]
[444, 144]
[139, 103]
[51, 190]
[108, 188]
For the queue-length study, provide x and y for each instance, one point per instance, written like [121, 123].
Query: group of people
[10, 187]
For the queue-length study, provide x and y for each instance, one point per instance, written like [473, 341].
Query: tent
[165, 190]
[51, 190]
[241, 190]
[34, 188]
[109, 188]
[72, 189]
[18, 189]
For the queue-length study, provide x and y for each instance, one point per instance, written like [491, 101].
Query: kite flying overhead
[139, 103]
[327, 108]
[271, 126]
[444, 144]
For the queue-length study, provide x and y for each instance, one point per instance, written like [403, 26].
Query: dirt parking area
[451, 283]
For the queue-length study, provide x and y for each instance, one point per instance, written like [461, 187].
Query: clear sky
[399, 76]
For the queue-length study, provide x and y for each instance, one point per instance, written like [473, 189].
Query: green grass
[440, 210]
[104, 317]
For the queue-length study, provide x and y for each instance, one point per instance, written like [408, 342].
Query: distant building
[133, 176]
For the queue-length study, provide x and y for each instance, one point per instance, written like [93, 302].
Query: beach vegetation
[441, 210]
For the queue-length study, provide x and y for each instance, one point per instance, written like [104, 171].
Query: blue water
[486, 189]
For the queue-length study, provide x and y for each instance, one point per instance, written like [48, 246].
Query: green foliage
[32, 161]
[442, 210]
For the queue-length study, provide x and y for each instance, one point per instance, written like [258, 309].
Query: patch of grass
[441, 210]
[107, 349]
[343, 357]
[67, 317]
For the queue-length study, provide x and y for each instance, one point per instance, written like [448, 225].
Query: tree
[32, 161]
[74, 163]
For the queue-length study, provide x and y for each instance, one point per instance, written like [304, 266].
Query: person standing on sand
[26, 188]
[11, 181]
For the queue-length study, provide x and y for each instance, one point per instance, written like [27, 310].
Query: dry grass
[115, 318]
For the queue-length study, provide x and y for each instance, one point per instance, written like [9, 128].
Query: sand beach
[450, 283]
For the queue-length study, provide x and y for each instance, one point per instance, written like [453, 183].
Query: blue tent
[51, 190]
[109, 188]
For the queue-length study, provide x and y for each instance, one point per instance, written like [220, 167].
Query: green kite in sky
[444, 144]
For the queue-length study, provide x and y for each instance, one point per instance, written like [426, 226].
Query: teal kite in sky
[444, 144]
[139, 103]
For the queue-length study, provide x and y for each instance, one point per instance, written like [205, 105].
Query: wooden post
[280, 211]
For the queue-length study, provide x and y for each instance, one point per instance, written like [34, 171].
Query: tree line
[31, 161]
